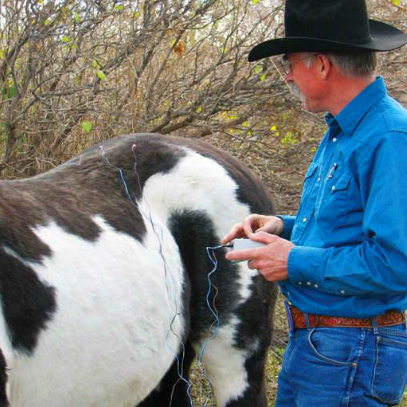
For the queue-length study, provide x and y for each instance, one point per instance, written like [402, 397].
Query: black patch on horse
[105, 180]
[27, 302]
[194, 232]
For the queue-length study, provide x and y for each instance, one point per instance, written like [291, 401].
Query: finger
[248, 225]
[236, 231]
[269, 228]
[241, 255]
[264, 237]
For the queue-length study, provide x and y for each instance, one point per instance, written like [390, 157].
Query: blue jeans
[338, 367]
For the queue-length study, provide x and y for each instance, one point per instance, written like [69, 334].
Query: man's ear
[324, 65]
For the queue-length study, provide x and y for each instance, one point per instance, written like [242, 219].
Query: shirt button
[333, 188]
[316, 285]
[300, 283]
[304, 220]
[342, 292]
[308, 283]
[334, 139]
[319, 179]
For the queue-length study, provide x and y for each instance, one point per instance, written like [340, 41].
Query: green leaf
[258, 69]
[396, 2]
[199, 109]
[289, 139]
[255, 1]
[95, 64]
[86, 126]
[12, 92]
[76, 17]
[101, 75]
[263, 77]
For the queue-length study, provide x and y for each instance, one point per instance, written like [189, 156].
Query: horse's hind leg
[235, 359]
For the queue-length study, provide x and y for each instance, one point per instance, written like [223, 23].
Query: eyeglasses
[286, 66]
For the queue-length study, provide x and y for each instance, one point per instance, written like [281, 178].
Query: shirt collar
[350, 116]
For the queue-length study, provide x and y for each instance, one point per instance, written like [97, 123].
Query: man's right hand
[255, 223]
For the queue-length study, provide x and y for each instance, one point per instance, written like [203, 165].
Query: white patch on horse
[197, 183]
[225, 364]
[118, 353]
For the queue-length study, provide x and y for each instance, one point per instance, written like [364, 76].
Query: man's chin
[312, 109]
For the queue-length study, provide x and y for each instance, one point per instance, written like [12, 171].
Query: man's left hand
[271, 261]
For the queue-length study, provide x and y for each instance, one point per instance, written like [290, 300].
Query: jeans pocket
[332, 346]
[390, 370]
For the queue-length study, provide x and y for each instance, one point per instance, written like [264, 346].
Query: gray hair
[359, 65]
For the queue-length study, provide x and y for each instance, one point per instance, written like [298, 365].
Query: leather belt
[297, 319]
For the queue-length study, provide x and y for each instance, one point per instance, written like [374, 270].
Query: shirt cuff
[288, 222]
[305, 265]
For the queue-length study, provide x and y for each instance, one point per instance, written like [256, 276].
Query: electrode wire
[174, 306]
[216, 323]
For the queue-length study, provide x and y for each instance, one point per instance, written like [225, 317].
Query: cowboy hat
[330, 26]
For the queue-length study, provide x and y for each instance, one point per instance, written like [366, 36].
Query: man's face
[304, 81]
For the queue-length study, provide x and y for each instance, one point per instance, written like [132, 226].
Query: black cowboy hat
[330, 26]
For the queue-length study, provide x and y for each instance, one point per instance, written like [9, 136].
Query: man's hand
[271, 261]
[255, 223]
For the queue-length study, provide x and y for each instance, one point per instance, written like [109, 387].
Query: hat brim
[383, 37]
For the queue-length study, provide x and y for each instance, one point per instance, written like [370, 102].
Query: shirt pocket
[309, 180]
[334, 200]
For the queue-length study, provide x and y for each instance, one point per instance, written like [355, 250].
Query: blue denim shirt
[350, 231]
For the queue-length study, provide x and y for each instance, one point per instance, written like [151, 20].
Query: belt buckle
[289, 317]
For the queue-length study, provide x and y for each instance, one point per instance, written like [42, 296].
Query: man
[342, 261]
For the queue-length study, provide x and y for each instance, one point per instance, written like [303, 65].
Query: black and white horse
[104, 287]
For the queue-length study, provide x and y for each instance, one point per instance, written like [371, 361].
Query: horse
[113, 279]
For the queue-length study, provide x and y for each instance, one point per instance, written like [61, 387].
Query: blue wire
[211, 254]
[125, 185]
[176, 313]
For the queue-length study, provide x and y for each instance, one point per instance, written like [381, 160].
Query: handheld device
[242, 244]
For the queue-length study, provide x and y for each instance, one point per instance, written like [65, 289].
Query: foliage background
[74, 73]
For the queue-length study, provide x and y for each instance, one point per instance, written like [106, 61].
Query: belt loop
[307, 320]
[375, 326]
[289, 317]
